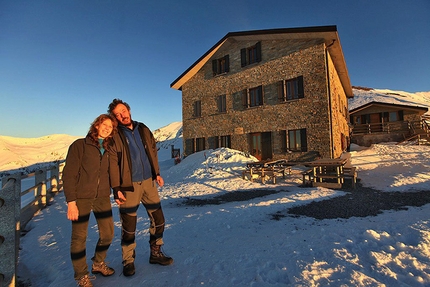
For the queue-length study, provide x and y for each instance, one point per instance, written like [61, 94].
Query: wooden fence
[14, 216]
[406, 127]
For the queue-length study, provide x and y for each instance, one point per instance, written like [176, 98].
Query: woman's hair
[116, 102]
[94, 133]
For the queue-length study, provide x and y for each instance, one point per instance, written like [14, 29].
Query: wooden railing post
[54, 177]
[40, 180]
[10, 211]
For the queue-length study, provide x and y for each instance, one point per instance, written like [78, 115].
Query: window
[396, 116]
[220, 66]
[291, 89]
[225, 141]
[250, 55]
[222, 104]
[199, 144]
[253, 97]
[197, 109]
[297, 140]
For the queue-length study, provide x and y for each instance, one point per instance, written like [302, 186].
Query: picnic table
[267, 169]
[329, 173]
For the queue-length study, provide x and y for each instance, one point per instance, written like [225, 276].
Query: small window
[297, 140]
[250, 55]
[291, 89]
[222, 104]
[225, 141]
[199, 144]
[221, 66]
[197, 109]
[253, 97]
[393, 117]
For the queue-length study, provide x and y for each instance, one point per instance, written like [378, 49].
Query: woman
[87, 188]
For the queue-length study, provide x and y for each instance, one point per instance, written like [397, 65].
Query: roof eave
[328, 33]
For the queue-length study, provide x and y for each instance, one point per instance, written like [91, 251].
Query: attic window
[221, 65]
[250, 55]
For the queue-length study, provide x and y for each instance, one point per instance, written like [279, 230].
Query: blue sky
[63, 61]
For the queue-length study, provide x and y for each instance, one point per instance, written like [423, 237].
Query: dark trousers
[102, 210]
[145, 192]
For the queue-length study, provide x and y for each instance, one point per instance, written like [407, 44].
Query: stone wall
[281, 60]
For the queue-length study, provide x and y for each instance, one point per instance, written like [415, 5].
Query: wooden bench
[251, 172]
[350, 173]
[262, 173]
[308, 176]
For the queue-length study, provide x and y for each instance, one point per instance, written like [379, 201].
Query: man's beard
[127, 121]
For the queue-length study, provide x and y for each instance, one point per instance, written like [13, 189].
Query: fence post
[40, 179]
[54, 177]
[10, 211]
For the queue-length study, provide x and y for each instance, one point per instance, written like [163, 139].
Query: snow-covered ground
[239, 243]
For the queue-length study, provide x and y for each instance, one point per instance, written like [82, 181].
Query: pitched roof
[383, 104]
[328, 33]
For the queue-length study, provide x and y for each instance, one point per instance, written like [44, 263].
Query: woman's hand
[72, 211]
[120, 198]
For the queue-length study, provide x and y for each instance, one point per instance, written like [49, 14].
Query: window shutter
[303, 140]
[300, 86]
[258, 50]
[261, 97]
[245, 98]
[194, 109]
[227, 63]
[243, 57]
[280, 89]
[215, 67]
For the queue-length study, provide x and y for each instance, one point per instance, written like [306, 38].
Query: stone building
[278, 93]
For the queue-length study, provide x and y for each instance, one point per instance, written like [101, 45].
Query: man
[138, 170]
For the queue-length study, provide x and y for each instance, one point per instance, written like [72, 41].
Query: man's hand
[160, 181]
[121, 198]
[72, 211]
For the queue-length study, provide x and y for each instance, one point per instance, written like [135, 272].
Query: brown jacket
[121, 159]
[86, 173]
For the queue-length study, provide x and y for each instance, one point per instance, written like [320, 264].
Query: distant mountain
[166, 137]
[24, 154]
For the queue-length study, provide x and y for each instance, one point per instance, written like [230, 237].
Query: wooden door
[255, 145]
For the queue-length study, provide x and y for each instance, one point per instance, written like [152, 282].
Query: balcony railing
[405, 127]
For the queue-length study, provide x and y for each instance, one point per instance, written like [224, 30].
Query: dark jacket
[123, 181]
[86, 173]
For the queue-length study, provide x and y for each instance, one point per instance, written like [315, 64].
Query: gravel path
[359, 202]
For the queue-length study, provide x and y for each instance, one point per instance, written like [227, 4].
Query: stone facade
[322, 112]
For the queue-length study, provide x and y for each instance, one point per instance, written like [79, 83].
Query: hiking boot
[157, 256]
[128, 269]
[102, 268]
[85, 281]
